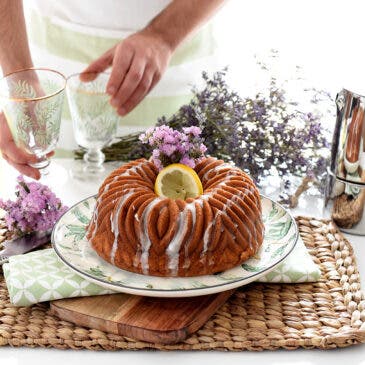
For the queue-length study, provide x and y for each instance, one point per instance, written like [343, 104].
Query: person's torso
[67, 35]
[112, 15]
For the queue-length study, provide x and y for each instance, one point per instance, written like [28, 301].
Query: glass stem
[94, 159]
[42, 165]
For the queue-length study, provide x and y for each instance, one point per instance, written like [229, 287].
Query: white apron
[67, 35]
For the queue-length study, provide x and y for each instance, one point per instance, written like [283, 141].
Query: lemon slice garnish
[178, 181]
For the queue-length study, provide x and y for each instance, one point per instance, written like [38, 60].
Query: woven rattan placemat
[326, 314]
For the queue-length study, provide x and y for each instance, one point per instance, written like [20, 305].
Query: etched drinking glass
[32, 100]
[95, 121]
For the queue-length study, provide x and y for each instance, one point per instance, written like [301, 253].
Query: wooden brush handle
[354, 135]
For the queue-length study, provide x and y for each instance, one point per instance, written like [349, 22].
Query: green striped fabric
[63, 153]
[61, 42]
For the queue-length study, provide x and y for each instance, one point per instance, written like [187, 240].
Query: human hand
[14, 155]
[138, 63]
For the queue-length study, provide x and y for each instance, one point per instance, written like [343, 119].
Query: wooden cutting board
[158, 320]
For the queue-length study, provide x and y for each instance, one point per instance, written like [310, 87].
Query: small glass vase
[95, 122]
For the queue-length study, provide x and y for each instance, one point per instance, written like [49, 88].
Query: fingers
[19, 162]
[121, 63]
[131, 82]
[99, 65]
[9, 148]
[139, 93]
[24, 168]
[19, 156]
[14, 155]
[138, 64]
[155, 80]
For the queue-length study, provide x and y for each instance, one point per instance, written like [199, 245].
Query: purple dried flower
[168, 149]
[202, 148]
[188, 161]
[193, 130]
[171, 146]
[256, 133]
[36, 208]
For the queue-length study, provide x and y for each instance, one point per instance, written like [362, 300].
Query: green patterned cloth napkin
[41, 276]
[298, 267]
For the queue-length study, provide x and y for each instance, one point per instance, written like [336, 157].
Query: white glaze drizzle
[115, 226]
[192, 208]
[242, 194]
[106, 188]
[95, 221]
[216, 170]
[174, 246]
[208, 231]
[145, 239]
[207, 234]
[96, 211]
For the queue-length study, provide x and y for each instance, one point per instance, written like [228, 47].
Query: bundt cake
[136, 230]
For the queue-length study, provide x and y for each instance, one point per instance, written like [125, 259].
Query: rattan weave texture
[326, 314]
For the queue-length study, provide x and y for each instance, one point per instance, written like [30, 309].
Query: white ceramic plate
[70, 244]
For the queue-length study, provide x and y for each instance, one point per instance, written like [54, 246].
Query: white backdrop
[325, 37]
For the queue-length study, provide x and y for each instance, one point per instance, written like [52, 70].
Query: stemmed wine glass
[32, 100]
[95, 121]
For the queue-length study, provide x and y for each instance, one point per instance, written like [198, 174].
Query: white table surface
[71, 191]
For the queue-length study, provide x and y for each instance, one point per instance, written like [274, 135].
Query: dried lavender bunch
[255, 133]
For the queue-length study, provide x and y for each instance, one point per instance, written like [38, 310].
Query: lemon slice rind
[178, 181]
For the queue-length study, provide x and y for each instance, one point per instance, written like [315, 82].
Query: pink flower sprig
[36, 208]
[171, 146]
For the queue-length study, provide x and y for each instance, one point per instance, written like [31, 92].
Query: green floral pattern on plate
[69, 241]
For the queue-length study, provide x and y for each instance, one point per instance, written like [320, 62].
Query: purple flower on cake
[156, 159]
[168, 149]
[36, 208]
[202, 148]
[171, 146]
[186, 160]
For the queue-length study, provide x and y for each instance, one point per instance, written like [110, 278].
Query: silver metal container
[345, 190]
